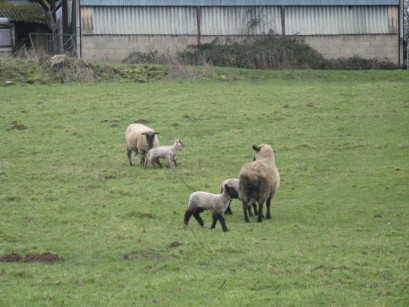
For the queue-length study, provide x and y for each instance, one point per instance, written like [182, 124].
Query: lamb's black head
[231, 191]
[150, 137]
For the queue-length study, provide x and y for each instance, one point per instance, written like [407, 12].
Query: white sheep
[200, 201]
[140, 138]
[259, 181]
[233, 183]
[166, 152]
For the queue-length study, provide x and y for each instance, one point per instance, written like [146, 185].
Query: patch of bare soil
[43, 258]
[175, 244]
[13, 257]
[18, 126]
[138, 255]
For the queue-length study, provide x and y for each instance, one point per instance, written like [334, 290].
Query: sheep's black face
[150, 138]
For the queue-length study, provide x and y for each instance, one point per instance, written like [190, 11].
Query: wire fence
[53, 43]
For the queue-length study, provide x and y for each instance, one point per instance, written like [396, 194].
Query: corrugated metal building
[112, 29]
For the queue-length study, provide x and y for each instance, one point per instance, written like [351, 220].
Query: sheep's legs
[129, 153]
[251, 212]
[228, 209]
[142, 160]
[268, 204]
[174, 161]
[245, 209]
[219, 217]
[255, 209]
[260, 212]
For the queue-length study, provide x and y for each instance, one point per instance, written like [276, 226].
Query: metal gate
[53, 43]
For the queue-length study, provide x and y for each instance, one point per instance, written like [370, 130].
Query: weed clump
[272, 52]
[64, 69]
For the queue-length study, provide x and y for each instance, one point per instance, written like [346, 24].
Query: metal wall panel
[341, 20]
[139, 20]
[234, 2]
[240, 20]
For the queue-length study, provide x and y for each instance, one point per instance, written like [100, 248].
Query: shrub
[273, 52]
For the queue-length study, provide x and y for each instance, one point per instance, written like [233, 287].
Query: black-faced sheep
[233, 183]
[200, 201]
[165, 152]
[139, 139]
[259, 181]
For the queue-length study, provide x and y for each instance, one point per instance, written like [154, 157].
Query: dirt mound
[43, 258]
[13, 257]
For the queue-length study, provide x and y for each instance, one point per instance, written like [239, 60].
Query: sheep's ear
[156, 132]
[143, 133]
[256, 148]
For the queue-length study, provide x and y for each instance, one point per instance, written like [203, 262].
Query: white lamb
[165, 152]
[200, 201]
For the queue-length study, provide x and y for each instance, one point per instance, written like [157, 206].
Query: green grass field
[339, 234]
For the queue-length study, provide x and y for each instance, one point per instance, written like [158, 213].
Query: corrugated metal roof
[236, 2]
[27, 12]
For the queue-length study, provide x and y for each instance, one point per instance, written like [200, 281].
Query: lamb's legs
[214, 221]
[219, 217]
[223, 222]
[146, 163]
[188, 215]
[197, 217]
[158, 162]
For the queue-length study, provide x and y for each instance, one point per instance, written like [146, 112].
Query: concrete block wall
[118, 47]
[382, 47]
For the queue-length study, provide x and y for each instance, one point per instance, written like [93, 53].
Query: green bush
[273, 52]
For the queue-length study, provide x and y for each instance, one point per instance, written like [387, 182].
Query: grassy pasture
[340, 228]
